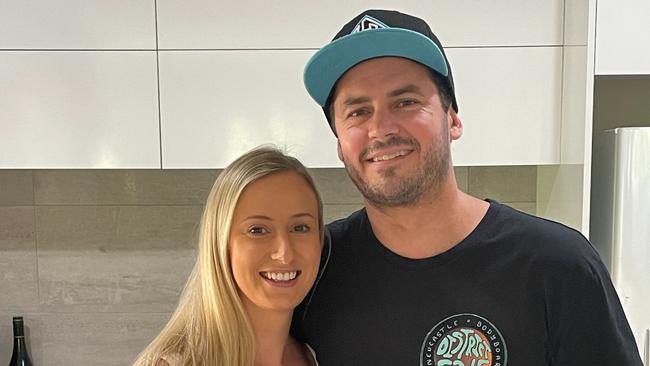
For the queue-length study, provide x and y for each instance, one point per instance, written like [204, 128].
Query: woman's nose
[283, 250]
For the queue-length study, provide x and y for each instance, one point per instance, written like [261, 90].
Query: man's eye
[358, 113]
[257, 230]
[406, 102]
[302, 228]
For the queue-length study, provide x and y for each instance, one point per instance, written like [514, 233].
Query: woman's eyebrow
[304, 214]
[258, 217]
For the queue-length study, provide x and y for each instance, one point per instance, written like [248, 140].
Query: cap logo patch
[368, 22]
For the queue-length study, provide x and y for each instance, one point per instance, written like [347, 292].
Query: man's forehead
[353, 83]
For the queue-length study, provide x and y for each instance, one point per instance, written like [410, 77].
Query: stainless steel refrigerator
[620, 221]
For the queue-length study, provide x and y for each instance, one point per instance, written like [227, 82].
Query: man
[426, 274]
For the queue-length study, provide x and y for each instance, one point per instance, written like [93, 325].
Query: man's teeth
[389, 156]
[280, 276]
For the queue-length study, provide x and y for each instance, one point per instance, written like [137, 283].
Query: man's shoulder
[525, 225]
[351, 225]
[543, 239]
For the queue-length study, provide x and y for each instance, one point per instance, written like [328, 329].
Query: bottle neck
[19, 331]
[19, 345]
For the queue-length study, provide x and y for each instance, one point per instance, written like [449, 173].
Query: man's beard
[408, 190]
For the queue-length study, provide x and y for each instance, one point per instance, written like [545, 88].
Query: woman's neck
[271, 330]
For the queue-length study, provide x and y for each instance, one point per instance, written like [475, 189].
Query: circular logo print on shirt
[464, 340]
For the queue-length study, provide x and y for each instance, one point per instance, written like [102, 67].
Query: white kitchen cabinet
[215, 105]
[75, 24]
[84, 83]
[509, 100]
[208, 24]
[78, 110]
[622, 37]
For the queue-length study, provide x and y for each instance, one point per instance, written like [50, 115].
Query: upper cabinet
[193, 84]
[215, 105]
[247, 24]
[78, 84]
[74, 25]
[231, 78]
[622, 37]
[78, 109]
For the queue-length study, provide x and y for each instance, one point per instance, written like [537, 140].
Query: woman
[258, 256]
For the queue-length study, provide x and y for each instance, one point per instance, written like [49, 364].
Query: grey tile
[91, 339]
[123, 282]
[18, 280]
[112, 187]
[17, 228]
[91, 229]
[5, 335]
[16, 188]
[504, 183]
[334, 212]
[462, 177]
[527, 207]
[335, 186]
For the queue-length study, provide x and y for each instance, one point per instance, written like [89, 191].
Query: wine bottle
[19, 357]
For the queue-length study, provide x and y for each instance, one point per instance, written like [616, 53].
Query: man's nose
[382, 123]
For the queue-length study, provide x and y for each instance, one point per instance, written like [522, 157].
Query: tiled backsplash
[95, 259]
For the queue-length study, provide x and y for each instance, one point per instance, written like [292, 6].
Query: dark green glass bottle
[19, 357]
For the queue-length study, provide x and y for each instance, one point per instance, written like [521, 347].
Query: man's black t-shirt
[519, 290]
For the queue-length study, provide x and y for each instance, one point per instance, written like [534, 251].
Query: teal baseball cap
[371, 34]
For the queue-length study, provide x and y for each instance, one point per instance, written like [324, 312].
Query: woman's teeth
[279, 276]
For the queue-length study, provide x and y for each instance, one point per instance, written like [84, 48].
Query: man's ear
[455, 125]
[338, 149]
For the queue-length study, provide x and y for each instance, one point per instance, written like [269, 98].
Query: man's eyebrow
[410, 88]
[355, 100]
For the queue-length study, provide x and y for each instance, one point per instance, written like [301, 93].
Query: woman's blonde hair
[210, 327]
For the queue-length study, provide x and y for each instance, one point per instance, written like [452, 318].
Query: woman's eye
[302, 228]
[257, 230]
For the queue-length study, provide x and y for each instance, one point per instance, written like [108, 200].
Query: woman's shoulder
[310, 355]
[169, 360]
[299, 354]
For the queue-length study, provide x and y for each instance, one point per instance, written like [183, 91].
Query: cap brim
[328, 64]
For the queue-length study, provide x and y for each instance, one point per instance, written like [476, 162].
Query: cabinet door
[509, 101]
[215, 105]
[78, 110]
[622, 37]
[249, 24]
[75, 24]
